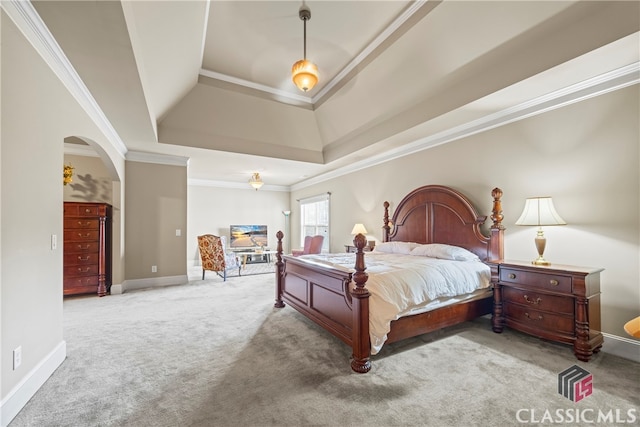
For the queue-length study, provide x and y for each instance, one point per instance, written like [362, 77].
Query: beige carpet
[218, 354]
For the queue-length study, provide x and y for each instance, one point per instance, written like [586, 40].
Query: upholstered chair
[214, 256]
[312, 245]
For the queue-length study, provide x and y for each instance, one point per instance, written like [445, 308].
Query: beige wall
[585, 156]
[212, 210]
[156, 201]
[91, 180]
[38, 113]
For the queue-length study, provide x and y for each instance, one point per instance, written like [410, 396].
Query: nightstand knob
[512, 276]
[553, 282]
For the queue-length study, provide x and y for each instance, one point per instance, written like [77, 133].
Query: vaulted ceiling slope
[211, 80]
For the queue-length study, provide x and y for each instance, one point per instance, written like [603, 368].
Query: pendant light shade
[304, 73]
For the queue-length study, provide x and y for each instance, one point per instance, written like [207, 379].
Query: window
[314, 218]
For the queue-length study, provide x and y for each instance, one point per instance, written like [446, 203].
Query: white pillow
[395, 247]
[442, 251]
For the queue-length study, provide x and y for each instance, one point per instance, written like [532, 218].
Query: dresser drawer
[544, 281]
[81, 258]
[81, 223]
[80, 285]
[81, 235]
[89, 247]
[535, 319]
[538, 301]
[81, 270]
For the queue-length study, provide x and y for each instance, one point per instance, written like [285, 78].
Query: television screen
[248, 236]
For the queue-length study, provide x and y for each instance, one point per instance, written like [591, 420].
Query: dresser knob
[530, 301]
[512, 276]
[533, 318]
[553, 282]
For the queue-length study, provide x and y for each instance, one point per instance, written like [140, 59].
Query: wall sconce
[67, 173]
[540, 211]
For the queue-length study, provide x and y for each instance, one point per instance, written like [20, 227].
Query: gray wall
[156, 201]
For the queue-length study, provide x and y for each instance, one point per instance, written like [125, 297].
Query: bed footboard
[336, 300]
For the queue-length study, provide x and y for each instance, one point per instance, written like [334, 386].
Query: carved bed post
[279, 271]
[385, 226]
[360, 343]
[497, 229]
[496, 254]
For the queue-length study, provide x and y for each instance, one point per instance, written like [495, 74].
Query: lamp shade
[304, 74]
[540, 211]
[358, 229]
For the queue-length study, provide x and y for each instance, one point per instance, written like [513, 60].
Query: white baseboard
[622, 347]
[151, 282]
[31, 383]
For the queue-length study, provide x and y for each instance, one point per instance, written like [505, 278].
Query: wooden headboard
[439, 214]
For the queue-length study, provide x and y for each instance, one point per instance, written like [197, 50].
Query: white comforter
[407, 284]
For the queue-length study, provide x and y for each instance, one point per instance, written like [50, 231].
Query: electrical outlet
[54, 242]
[154, 268]
[178, 232]
[17, 357]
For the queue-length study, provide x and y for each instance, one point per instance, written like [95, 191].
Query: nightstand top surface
[552, 267]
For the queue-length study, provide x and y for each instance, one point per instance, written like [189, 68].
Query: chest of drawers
[87, 248]
[558, 302]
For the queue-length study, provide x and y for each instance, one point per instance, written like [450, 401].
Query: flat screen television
[248, 236]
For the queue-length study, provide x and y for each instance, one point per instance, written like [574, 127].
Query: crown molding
[235, 185]
[26, 18]
[590, 88]
[156, 158]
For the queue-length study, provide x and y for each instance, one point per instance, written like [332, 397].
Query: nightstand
[351, 248]
[557, 302]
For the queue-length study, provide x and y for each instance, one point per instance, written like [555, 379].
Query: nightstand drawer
[543, 281]
[538, 319]
[539, 301]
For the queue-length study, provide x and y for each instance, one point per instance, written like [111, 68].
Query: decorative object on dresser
[338, 299]
[540, 211]
[87, 248]
[559, 303]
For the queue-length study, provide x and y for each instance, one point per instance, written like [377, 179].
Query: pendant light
[256, 181]
[304, 73]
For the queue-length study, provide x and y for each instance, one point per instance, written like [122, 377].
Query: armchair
[312, 245]
[214, 256]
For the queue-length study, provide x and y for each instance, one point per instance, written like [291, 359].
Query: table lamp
[540, 211]
[359, 229]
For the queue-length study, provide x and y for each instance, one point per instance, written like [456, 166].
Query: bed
[337, 298]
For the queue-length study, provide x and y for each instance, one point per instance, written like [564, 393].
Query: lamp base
[540, 261]
[541, 242]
